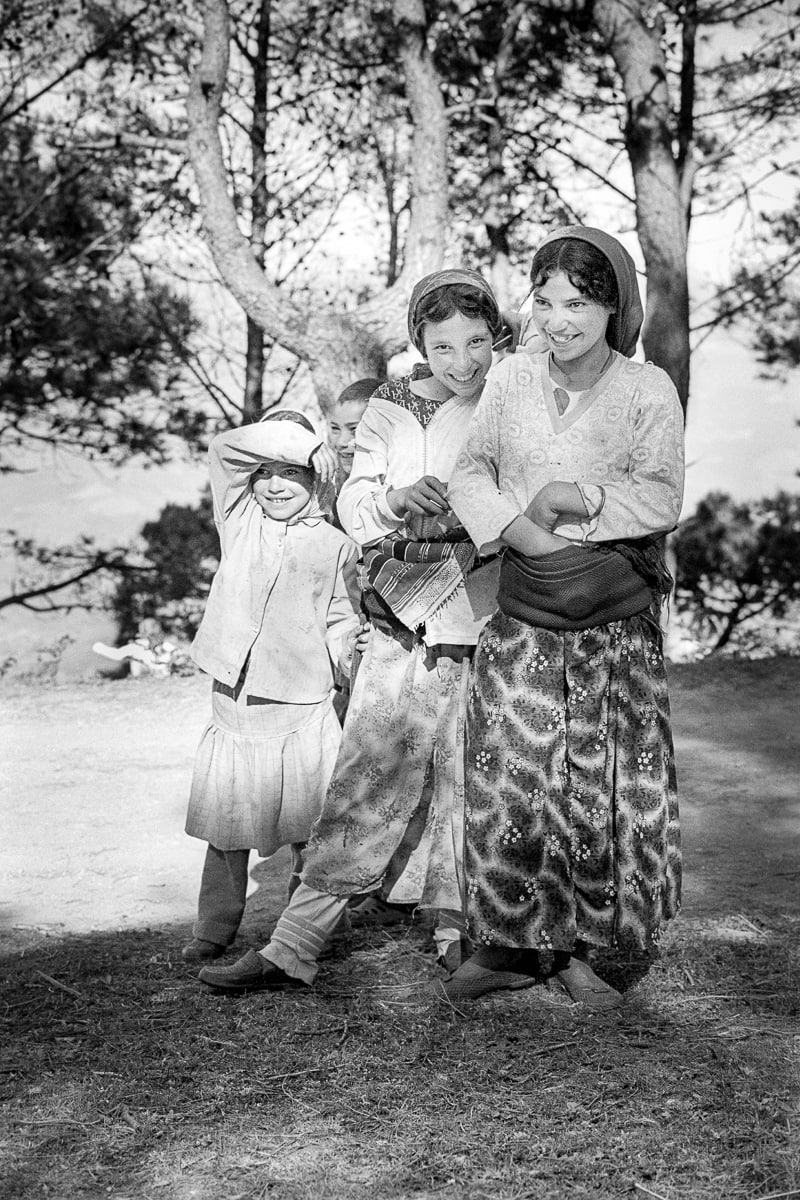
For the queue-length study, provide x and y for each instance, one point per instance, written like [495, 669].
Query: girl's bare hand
[362, 638]
[427, 497]
[325, 463]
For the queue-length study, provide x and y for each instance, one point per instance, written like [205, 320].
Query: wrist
[396, 499]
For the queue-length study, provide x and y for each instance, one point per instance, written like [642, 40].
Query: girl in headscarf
[393, 815]
[281, 615]
[574, 467]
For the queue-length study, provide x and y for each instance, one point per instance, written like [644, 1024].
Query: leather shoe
[250, 973]
[200, 950]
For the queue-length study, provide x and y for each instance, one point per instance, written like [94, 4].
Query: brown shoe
[200, 950]
[250, 973]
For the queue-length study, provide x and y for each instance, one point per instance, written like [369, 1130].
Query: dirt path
[95, 779]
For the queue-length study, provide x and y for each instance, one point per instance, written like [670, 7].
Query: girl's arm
[490, 518]
[234, 455]
[559, 503]
[368, 508]
[530, 539]
[649, 499]
[344, 612]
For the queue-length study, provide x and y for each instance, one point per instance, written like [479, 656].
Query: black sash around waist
[584, 585]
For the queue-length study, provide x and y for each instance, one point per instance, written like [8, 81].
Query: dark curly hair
[452, 298]
[586, 267]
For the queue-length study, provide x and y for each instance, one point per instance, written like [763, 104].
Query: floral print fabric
[396, 800]
[572, 814]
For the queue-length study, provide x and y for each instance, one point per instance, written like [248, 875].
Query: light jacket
[285, 594]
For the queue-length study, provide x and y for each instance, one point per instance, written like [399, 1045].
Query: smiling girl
[573, 465]
[281, 614]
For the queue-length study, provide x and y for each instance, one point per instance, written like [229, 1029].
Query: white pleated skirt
[261, 771]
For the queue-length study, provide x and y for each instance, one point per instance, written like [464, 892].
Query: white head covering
[291, 442]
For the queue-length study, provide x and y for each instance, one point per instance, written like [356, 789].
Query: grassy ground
[123, 1077]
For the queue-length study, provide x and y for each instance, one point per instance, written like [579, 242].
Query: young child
[281, 615]
[343, 422]
[393, 814]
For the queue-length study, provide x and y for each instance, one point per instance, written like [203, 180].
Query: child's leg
[223, 891]
[297, 867]
[300, 935]
[448, 933]
[303, 930]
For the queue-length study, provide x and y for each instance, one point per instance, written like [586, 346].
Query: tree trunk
[337, 347]
[259, 200]
[634, 36]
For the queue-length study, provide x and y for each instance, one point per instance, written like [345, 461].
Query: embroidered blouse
[397, 442]
[624, 436]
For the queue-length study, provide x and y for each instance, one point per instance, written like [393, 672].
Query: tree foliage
[766, 292]
[738, 562]
[179, 555]
[90, 345]
[49, 579]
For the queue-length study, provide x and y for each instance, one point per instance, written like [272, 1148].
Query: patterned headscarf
[625, 323]
[429, 283]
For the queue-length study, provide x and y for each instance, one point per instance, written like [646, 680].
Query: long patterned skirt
[572, 826]
[393, 814]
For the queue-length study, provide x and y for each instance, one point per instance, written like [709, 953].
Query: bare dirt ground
[95, 779]
[124, 1079]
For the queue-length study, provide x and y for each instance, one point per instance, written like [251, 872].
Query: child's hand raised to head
[557, 503]
[325, 463]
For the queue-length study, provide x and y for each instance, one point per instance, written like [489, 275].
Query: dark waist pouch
[573, 588]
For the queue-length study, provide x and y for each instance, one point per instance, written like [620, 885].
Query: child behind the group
[281, 614]
[343, 421]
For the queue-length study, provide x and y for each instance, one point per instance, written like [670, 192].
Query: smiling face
[282, 489]
[573, 326]
[342, 424]
[459, 352]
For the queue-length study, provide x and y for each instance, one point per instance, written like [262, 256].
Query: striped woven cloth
[414, 579]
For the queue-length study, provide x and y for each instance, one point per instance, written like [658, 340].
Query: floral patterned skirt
[571, 805]
[393, 814]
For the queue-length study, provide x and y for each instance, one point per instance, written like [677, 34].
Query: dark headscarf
[429, 283]
[625, 323]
